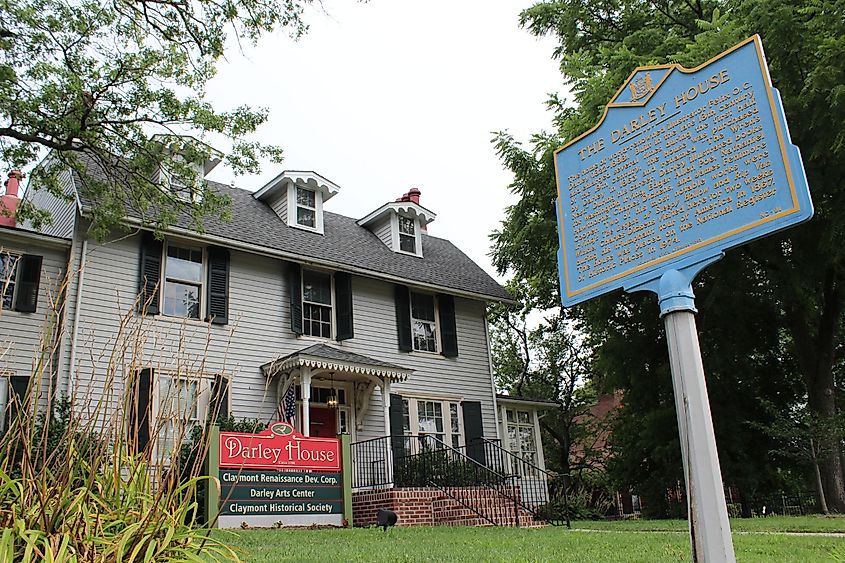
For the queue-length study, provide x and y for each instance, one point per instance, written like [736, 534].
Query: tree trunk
[814, 344]
[819, 486]
[829, 463]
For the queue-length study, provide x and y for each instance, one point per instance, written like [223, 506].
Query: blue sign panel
[683, 165]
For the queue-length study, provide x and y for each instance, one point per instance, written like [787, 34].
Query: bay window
[521, 437]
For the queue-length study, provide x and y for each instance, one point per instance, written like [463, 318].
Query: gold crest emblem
[641, 87]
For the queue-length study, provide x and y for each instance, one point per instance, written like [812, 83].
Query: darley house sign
[279, 476]
[279, 447]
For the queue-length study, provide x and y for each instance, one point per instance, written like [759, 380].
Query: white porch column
[305, 388]
[385, 403]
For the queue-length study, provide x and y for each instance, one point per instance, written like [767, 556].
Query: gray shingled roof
[335, 354]
[346, 243]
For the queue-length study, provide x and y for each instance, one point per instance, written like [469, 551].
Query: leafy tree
[93, 82]
[786, 290]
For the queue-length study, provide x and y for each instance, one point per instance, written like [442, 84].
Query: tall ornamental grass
[75, 486]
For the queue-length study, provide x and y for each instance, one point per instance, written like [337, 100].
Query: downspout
[71, 380]
[492, 379]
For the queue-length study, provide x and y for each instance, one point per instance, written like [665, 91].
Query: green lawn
[647, 541]
[773, 524]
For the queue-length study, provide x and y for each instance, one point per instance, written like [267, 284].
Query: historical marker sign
[279, 475]
[683, 165]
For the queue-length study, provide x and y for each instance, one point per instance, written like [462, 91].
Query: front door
[323, 422]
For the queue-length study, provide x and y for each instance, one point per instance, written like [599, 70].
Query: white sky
[383, 96]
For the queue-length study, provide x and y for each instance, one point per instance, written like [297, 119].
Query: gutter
[71, 379]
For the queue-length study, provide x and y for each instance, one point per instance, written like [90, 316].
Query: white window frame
[201, 283]
[168, 183]
[203, 401]
[437, 345]
[394, 227]
[412, 404]
[13, 281]
[333, 329]
[293, 204]
[516, 449]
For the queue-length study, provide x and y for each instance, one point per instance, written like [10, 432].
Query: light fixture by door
[332, 402]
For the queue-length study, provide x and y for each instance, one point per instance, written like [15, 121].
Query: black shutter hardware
[218, 285]
[473, 430]
[295, 292]
[448, 330]
[139, 410]
[150, 274]
[343, 298]
[28, 279]
[403, 318]
[220, 397]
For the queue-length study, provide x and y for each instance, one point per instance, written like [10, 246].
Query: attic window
[174, 184]
[306, 207]
[407, 235]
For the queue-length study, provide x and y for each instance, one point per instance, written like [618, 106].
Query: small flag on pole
[289, 405]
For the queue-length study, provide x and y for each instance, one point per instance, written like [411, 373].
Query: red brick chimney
[9, 201]
[414, 195]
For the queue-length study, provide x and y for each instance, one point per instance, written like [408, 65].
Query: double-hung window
[521, 435]
[183, 282]
[306, 207]
[182, 404]
[8, 274]
[407, 235]
[317, 304]
[423, 322]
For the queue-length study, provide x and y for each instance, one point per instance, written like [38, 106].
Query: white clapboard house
[368, 325]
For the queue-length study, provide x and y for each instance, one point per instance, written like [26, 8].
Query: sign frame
[574, 290]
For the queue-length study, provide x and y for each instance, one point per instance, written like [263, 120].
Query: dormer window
[407, 235]
[186, 162]
[400, 224]
[306, 207]
[298, 198]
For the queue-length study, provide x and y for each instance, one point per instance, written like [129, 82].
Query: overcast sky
[383, 96]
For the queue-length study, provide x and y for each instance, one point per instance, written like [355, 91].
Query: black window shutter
[448, 331]
[150, 274]
[28, 279]
[397, 436]
[295, 291]
[220, 396]
[218, 285]
[343, 298]
[139, 407]
[18, 387]
[473, 430]
[403, 318]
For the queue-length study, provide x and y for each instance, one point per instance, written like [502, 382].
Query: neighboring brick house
[376, 327]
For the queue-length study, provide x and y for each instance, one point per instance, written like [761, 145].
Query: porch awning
[321, 356]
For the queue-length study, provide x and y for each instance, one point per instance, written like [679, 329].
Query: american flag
[289, 406]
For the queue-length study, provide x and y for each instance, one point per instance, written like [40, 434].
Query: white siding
[384, 232]
[21, 334]
[258, 332]
[279, 204]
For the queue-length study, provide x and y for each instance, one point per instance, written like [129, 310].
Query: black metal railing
[426, 461]
[542, 493]
[372, 464]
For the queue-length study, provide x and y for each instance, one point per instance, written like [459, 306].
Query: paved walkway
[743, 533]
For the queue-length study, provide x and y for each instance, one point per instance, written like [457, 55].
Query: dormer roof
[405, 208]
[303, 178]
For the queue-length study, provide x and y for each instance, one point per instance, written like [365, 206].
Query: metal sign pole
[710, 531]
